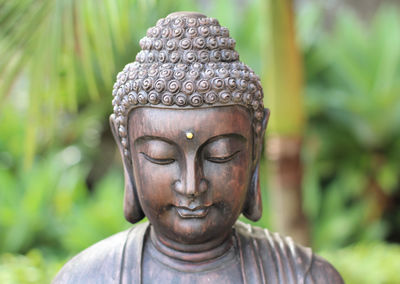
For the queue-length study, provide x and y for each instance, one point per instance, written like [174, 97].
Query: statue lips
[192, 212]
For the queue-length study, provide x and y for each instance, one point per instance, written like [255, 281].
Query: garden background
[331, 68]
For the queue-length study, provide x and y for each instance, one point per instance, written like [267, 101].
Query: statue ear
[253, 205]
[132, 210]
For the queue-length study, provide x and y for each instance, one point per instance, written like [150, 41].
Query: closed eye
[158, 161]
[221, 160]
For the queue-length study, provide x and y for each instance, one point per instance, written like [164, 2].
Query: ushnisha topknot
[187, 61]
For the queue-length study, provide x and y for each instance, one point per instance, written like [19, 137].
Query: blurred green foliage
[367, 263]
[29, 268]
[352, 147]
[49, 206]
[64, 203]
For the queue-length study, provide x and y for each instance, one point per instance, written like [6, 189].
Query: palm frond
[68, 52]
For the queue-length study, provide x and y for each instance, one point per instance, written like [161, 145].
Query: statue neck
[191, 252]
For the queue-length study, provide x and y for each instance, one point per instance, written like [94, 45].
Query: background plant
[353, 139]
[60, 192]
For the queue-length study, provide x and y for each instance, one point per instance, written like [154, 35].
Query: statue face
[192, 169]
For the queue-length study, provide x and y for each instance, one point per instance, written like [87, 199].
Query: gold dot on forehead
[189, 135]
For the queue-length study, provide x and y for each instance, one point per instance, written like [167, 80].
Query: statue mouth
[196, 212]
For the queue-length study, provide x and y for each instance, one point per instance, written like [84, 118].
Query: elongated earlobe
[253, 209]
[132, 210]
[253, 206]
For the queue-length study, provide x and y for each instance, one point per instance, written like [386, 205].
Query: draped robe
[265, 258]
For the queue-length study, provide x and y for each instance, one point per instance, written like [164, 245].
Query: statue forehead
[202, 123]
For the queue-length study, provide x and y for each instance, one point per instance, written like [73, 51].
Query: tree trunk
[285, 176]
[283, 82]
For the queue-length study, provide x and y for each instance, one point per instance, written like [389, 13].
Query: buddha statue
[189, 121]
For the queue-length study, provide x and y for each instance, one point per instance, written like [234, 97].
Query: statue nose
[192, 182]
[194, 190]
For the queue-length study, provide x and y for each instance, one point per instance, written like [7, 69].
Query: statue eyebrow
[228, 135]
[151, 137]
[237, 136]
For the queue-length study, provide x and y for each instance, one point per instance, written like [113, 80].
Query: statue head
[189, 121]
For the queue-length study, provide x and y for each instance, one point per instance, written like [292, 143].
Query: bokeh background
[331, 169]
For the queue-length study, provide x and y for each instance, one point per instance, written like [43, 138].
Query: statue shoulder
[322, 271]
[280, 259]
[101, 262]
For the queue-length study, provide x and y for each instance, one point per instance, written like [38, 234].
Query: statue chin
[189, 122]
[191, 233]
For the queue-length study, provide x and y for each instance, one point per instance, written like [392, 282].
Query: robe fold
[265, 257]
